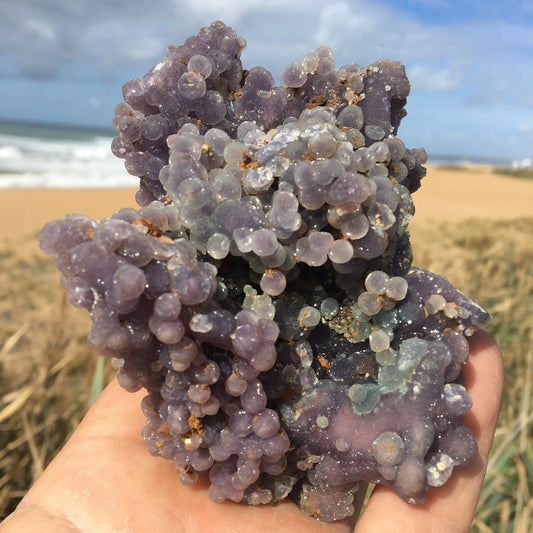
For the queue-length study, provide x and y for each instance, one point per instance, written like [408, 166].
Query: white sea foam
[58, 158]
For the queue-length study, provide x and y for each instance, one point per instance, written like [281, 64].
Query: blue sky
[470, 62]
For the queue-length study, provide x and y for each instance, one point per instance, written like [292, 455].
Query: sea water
[51, 156]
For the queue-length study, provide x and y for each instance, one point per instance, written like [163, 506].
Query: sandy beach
[23, 212]
[445, 195]
[472, 192]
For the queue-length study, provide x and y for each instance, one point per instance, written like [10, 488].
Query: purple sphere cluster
[263, 293]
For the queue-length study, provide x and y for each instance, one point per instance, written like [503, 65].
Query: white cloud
[94, 102]
[525, 127]
[432, 78]
[103, 37]
[477, 64]
[40, 30]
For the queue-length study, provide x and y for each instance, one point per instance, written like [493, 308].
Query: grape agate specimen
[263, 293]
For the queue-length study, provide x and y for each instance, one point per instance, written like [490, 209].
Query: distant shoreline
[48, 129]
[66, 131]
[64, 156]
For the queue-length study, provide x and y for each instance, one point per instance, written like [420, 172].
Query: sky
[470, 63]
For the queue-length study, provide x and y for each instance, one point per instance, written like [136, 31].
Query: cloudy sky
[470, 62]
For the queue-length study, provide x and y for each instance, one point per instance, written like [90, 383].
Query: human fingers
[104, 479]
[450, 508]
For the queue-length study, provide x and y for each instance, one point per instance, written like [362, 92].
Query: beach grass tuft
[522, 173]
[451, 168]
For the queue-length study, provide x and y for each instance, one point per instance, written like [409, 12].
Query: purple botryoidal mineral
[263, 293]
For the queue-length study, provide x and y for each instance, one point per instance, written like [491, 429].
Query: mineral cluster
[263, 293]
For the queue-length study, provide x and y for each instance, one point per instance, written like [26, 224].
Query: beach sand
[445, 195]
[471, 192]
[23, 212]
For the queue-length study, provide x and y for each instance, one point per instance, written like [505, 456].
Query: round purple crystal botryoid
[263, 293]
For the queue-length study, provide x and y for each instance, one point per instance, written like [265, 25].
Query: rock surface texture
[263, 293]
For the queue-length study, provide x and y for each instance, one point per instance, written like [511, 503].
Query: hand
[105, 480]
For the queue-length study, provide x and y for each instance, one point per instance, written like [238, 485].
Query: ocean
[53, 156]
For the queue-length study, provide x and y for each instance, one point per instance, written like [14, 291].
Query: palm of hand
[104, 480]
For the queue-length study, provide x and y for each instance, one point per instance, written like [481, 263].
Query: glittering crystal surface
[263, 293]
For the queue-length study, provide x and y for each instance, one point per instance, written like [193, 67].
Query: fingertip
[457, 499]
[484, 379]
[483, 344]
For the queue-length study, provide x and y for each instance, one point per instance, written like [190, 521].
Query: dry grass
[46, 369]
[524, 173]
[493, 262]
